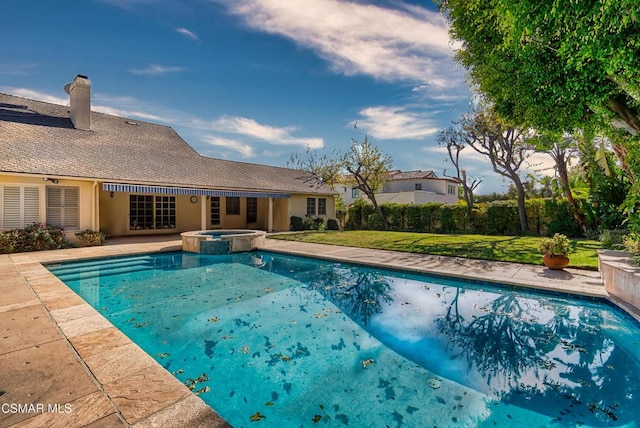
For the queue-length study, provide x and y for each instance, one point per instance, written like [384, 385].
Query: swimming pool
[293, 341]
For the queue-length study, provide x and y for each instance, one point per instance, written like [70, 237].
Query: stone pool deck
[71, 368]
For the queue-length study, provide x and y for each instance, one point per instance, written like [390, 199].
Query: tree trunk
[522, 210]
[372, 198]
[563, 175]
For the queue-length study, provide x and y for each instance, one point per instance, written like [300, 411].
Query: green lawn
[520, 249]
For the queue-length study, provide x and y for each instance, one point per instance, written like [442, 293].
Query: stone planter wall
[621, 278]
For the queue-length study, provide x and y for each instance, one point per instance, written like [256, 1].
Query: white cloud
[245, 150]
[251, 128]
[389, 122]
[186, 124]
[34, 95]
[155, 69]
[187, 33]
[16, 69]
[407, 44]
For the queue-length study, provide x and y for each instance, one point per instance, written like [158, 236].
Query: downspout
[94, 206]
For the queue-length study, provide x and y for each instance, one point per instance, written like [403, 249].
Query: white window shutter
[54, 206]
[20, 207]
[11, 208]
[71, 202]
[31, 205]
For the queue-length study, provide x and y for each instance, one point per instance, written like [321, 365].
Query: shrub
[358, 214]
[296, 223]
[316, 223]
[632, 244]
[480, 217]
[333, 224]
[395, 215]
[612, 239]
[502, 218]
[536, 218]
[374, 222]
[35, 237]
[560, 218]
[91, 238]
[430, 216]
[413, 218]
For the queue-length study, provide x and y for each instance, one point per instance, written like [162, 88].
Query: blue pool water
[276, 340]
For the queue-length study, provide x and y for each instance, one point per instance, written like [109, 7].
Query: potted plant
[555, 250]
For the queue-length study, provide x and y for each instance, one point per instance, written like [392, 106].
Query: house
[409, 187]
[80, 169]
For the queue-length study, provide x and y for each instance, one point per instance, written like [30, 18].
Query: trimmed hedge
[545, 217]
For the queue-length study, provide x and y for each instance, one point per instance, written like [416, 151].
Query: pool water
[277, 340]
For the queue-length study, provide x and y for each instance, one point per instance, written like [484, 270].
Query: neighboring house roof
[38, 138]
[411, 175]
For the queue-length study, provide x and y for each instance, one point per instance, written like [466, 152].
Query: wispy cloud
[34, 95]
[409, 43]
[16, 69]
[245, 150]
[390, 122]
[200, 130]
[155, 69]
[187, 33]
[274, 135]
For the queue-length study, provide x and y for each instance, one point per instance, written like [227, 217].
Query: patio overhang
[138, 188]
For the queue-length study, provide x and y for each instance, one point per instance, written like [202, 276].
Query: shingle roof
[39, 138]
[411, 175]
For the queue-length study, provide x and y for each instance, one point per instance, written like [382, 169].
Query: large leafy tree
[554, 64]
[368, 168]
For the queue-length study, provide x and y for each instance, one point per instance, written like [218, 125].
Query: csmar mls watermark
[35, 408]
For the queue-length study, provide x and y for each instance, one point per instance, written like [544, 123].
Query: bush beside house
[35, 237]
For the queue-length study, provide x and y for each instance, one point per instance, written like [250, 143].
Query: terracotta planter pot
[555, 261]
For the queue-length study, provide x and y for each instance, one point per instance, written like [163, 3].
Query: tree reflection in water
[531, 351]
[357, 292]
[528, 362]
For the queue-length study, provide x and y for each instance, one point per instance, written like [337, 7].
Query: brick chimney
[80, 102]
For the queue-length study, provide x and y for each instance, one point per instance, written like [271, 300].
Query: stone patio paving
[70, 367]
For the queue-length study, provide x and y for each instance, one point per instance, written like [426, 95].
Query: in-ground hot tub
[222, 241]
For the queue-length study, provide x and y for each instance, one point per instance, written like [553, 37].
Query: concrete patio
[67, 366]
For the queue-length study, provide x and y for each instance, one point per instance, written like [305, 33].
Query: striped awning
[138, 188]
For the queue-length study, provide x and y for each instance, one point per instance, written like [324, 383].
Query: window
[322, 206]
[311, 206]
[451, 189]
[252, 210]
[355, 193]
[140, 212]
[62, 207]
[418, 186]
[20, 207]
[149, 212]
[233, 205]
[165, 212]
[215, 211]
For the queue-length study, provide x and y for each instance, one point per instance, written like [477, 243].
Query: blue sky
[252, 80]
